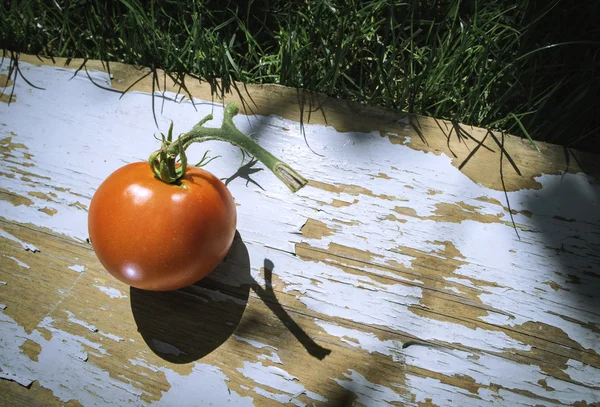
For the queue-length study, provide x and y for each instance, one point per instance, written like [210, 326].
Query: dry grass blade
[492, 64]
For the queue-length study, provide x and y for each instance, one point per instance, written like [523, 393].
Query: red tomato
[157, 236]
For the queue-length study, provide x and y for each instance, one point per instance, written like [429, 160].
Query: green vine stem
[166, 167]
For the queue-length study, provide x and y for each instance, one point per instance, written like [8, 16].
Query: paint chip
[19, 262]
[31, 349]
[111, 292]
[48, 211]
[17, 379]
[4, 81]
[78, 268]
[27, 246]
[254, 343]
[6, 98]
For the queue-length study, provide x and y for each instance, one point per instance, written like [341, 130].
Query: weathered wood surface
[393, 278]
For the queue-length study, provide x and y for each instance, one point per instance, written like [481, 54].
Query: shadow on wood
[567, 213]
[185, 325]
[267, 295]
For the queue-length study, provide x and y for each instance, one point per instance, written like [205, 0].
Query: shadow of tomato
[184, 325]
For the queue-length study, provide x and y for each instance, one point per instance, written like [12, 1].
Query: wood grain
[393, 278]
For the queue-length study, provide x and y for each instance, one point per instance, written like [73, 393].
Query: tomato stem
[168, 168]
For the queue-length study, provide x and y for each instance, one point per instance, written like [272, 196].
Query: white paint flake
[367, 341]
[61, 366]
[14, 378]
[27, 246]
[273, 357]
[280, 398]
[368, 393]
[19, 262]
[512, 278]
[79, 322]
[78, 268]
[111, 336]
[206, 385]
[488, 370]
[276, 378]
[453, 289]
[92, 328]
[254, 343]
[111, 292]
[582, 373]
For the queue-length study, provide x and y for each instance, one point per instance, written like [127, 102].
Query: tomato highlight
[163, 225]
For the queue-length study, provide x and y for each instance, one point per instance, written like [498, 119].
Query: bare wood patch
[346, 116]
[4, 81]
[31, 349]
[346, 222]
[79, 205]
[14, 199]
[5, 98]
[40, 195]
[460, 212]
[382, 176]
[7, 146]
[336, 203]
[49, 211]
[349, 189]
[314, 229]
[395, 219]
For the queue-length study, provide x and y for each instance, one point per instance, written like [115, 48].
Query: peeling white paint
[61, 365]
[368, 393]
[489, 369]
[453, 289]
[111, 336]
[27, 246]
[14, 378]
[77, 267]
[582, 373]
[206, 385]
[511, 278]
[281, 398]
[84, 324]
[19, 262]
[254, 343]
[273, 357]
[367, 341]
[92, 328]
[111, 292]
[276, 378]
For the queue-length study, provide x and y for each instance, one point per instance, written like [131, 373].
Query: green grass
[528, 67]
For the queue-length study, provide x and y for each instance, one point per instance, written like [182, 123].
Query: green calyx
[169, 163]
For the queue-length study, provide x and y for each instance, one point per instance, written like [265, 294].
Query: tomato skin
[157, 236]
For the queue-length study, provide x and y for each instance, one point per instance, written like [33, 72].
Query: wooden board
[393, 278]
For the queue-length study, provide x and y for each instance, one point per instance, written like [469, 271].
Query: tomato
[158, 236]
